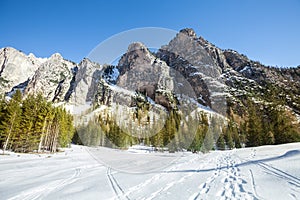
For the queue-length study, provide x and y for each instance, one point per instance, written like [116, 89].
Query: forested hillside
[33, 124]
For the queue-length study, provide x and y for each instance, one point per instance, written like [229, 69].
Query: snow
[112, 76]
[213, 94]
[246, 68]
[41, 60]
[267, 172]
[115, 74]
[150, 101]
[201, 98]
[140, 149]
[78, 109]
[196, 73]
[122, 90]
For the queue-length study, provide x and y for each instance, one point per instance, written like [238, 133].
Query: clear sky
[265, 30]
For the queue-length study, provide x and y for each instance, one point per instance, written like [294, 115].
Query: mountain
[206, 68]
[186, 76]
[241, 76]
[16, 68]
[246, 77]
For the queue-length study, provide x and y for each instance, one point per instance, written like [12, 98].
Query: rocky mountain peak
[205, 44]
[189, 32]
[86, 62]
[15, 68]
[137, 55]
[10, 50]
[136, 46]
[34, 58]
[56, 56]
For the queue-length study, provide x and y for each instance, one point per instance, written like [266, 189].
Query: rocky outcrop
[85, 82]
[187, 56]
[52, 79]
[140, 71]
[16, 68]
[245, 77]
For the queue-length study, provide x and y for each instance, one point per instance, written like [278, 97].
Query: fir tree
[10, 126]
[228, 139]
[2, 118]
[254, 130]
[208, 142]
[221, 142]
[285, 126]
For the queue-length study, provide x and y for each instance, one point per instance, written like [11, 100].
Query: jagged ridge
[206, 67]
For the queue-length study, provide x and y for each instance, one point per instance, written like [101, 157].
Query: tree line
[33, 124]
[271, 124]
[262, 125]
[190, 132]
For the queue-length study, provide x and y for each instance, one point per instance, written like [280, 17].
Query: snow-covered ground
[269, 172]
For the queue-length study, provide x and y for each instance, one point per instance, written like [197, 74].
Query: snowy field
[269, 172]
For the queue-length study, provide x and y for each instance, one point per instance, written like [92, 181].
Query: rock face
[245, 77]
[186, 55]
[16, 68]
[84, 83]
[138, 72]
[188, 65]
[141, 71]
[52, 78]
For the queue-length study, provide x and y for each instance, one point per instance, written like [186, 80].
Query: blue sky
[264, 30]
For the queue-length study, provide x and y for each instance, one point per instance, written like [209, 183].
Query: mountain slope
[186, 77]
[16, 68]
[245, 76]
[206, 67]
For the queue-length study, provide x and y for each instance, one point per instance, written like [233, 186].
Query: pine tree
[45, 115]
[254, 130]
[221, 142]
[2, 118]
[229, 139]
[39, 114]
[10, 126]
[201, 131]
[46, 143]
[208, 142]
[54, 131]
[198, 138]
[236, 136]
[243, 133]
[27, 124]
[285, 126]
[269, 138]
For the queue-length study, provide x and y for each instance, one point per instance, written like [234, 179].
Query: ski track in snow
[253, 185]
[293, 181]
[119, 192]
[205, 187]
[234, 174]
[173, 183]
[157, 177]
[44, 190]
